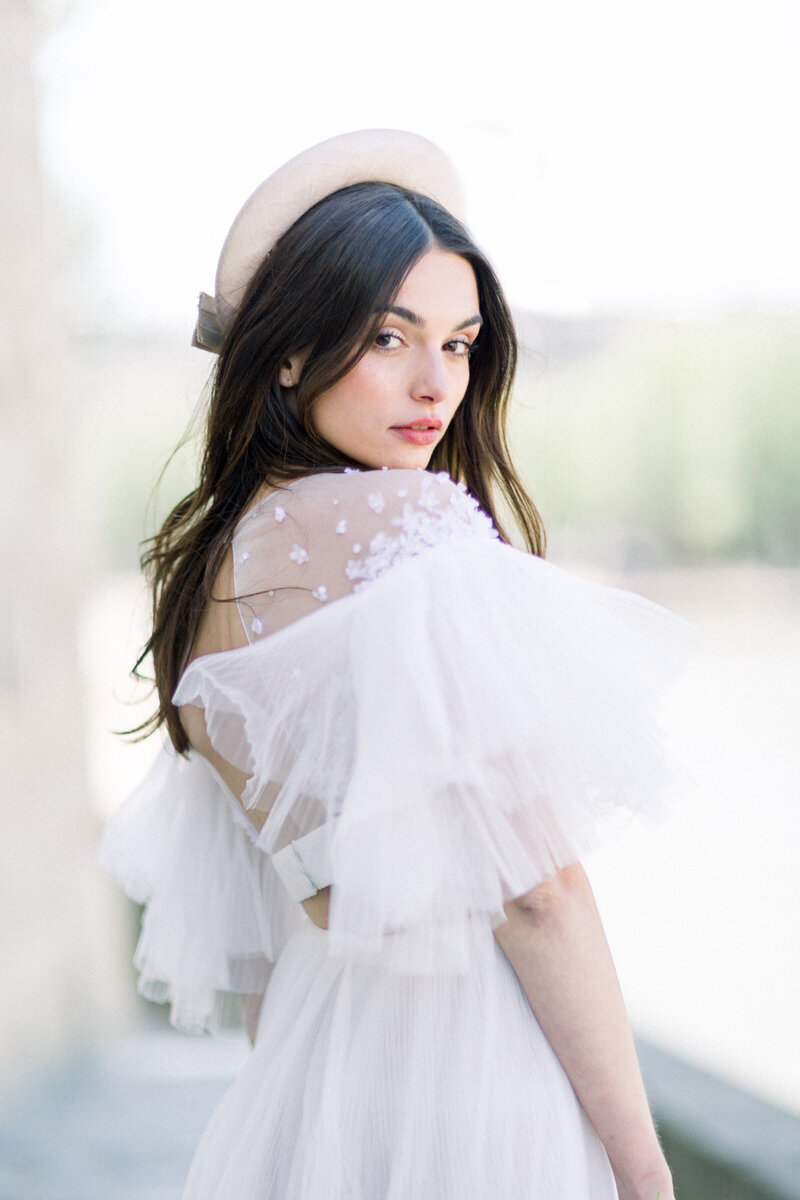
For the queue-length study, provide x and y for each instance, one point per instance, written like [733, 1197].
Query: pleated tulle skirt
[369, 1085]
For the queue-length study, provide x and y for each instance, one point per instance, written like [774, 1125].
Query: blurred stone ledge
[722, 1142]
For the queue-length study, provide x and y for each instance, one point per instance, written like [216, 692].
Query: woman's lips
[421, 433]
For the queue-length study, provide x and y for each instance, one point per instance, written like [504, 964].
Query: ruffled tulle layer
[466, 725]
[369, 1084]
[217, 915]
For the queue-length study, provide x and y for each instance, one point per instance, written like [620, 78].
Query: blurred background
[632, 171]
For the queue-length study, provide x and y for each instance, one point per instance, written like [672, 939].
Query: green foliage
[684, 437]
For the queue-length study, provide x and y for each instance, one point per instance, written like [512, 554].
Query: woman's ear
[289, 374]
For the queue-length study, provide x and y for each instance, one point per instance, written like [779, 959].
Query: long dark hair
[323, 288]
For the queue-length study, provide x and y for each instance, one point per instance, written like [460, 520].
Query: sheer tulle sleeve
[216, 914]
[451, 719]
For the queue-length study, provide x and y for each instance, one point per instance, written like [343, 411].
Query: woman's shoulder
[321, 537]
[355, 483]
[364, 501]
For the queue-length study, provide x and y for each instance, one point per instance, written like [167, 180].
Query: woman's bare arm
[555, 943]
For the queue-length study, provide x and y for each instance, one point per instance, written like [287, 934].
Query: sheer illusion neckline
[323, 537]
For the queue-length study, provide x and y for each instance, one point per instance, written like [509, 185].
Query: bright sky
[616, 154]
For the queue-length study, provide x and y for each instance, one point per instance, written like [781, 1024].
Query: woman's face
[394, 406]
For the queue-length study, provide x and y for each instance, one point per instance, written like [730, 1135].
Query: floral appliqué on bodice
[329, 535]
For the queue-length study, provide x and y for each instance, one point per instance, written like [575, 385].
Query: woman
[392, 736]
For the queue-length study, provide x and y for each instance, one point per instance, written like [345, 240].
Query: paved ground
[120, 1124]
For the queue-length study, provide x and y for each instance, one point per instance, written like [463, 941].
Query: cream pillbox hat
[366, 156]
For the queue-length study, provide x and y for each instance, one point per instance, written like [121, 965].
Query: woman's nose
[431, 381]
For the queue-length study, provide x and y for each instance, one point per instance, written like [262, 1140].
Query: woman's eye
[460, 347]
[387, 340]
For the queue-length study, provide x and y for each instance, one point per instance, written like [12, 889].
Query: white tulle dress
[435, 722]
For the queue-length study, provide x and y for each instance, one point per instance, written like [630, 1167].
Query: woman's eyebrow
[414, 319]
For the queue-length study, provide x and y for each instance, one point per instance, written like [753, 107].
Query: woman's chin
[397, 458]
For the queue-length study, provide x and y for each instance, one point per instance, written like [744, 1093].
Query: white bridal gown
[435, 722]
